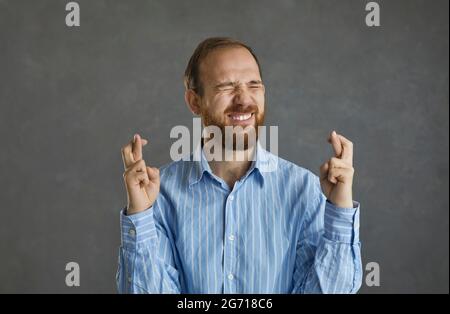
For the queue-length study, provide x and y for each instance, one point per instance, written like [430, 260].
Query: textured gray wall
[70, 98]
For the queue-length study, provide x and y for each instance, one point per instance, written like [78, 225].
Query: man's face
[233, 93]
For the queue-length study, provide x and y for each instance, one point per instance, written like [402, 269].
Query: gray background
[71, 97]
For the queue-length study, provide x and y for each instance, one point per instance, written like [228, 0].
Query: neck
[232, 171]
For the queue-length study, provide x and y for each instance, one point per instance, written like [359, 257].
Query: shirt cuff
[137, 228]
[342, 224]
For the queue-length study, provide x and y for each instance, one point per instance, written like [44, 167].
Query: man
[222, 226]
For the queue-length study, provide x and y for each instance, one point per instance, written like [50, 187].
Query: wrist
[130, 210]
[342, 204]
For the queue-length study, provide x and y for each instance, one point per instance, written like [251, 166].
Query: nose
[243, 97]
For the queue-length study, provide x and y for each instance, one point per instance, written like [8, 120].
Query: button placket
[230, 245]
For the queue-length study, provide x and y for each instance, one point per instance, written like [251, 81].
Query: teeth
[241, 117]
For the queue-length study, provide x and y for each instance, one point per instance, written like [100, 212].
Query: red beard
[223, 120]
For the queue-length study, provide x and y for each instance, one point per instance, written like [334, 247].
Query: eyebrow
[230, 83]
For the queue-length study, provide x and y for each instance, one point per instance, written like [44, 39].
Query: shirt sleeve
[146, 263]
[328, 258]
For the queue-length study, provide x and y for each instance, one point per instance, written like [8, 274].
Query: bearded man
[258, 224]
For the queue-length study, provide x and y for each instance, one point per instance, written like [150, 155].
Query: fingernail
[333, 133]
[134, 138]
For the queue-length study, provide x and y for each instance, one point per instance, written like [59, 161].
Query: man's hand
[336, 175]
[141, 181]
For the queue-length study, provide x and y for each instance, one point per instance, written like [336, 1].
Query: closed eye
[225, 87]
[254, 84]
[230, 86]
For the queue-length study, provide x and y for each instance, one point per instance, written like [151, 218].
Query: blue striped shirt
[273, 232]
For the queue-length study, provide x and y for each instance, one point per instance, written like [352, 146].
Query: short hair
[192, 72]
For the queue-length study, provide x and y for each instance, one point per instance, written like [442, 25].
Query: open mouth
[241, 117]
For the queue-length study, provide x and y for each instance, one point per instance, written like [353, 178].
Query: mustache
[242, 109]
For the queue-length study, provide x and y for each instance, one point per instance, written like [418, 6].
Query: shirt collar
[264, 163]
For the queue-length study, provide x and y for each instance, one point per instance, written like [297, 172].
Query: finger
[343, 175]
[154, 183]
[140, 166]
[331, 176]
[134, 177]
[153, 173]
[336, 143]
[141, 177]
[127, 156]
[347, 149]
[137, 147]
[335, 162]
[324, 171]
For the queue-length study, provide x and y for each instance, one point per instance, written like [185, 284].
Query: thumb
[153, 174]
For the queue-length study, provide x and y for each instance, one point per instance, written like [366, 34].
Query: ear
[192, 101]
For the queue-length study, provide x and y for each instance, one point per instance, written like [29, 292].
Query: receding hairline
[202, 51]
[217, 50]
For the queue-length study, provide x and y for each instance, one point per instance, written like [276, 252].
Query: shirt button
[230, 276]
[129, 279]
[231, 197]
[132, 232]
[231, 237]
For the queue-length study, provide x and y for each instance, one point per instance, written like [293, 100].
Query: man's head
[224, 85]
